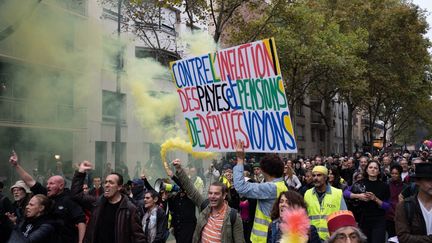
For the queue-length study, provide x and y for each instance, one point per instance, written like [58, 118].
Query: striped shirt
[212, 232]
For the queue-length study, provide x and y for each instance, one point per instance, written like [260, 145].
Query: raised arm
[147, 184]
[23, 174]
[77, 192]
[187, 184]
[250, 190]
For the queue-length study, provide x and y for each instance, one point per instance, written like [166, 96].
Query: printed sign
[235, 93]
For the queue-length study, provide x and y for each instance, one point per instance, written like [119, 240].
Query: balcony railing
[20, 112]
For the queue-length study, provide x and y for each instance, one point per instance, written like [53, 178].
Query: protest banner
[235, 93]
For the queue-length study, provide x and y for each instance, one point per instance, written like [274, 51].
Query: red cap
[340, 219]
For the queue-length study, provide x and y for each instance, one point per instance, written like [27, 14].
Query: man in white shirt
[413, 218]
[405, 168]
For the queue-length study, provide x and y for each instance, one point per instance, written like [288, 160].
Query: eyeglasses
[343, 237]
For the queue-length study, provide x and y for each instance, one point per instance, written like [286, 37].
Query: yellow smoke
[53, 57]
[155, 103]
[152, 89]
[144, 76]
[180, 144]
[198, 43]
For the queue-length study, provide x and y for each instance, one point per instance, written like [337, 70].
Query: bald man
[65, 208]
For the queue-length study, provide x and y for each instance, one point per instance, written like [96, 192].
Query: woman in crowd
[291, 179]
[335, 179]
[287, 200]
[374, 202]
[396, 185]
[37, 226]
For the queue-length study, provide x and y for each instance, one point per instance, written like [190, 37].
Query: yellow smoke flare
[180, 144]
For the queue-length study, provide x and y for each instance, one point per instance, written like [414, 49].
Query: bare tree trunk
[329, 125]
[371, 128]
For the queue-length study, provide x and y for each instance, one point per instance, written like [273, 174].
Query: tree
[317, 59]
[397, 59]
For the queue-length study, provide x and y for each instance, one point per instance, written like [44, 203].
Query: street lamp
[118, 90]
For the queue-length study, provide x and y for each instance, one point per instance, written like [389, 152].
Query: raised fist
[85, 166]
[13, 159]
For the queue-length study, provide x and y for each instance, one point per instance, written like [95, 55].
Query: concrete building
[76, 120]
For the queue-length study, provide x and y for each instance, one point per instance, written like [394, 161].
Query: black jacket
[39, 230]
[5, 206]
[66, 210]
[161, 226]
[128, 228]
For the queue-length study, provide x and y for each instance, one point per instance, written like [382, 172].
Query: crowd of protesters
[363, 198]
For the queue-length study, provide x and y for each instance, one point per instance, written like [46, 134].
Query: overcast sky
[426, 4]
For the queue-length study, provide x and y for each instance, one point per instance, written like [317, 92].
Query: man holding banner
[266, 193]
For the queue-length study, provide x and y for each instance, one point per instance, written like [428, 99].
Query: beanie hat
[339, 219]
[321, 169]
[21, 184]
[138, 182]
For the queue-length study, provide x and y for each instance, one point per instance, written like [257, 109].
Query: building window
[167, 120]
[313, 134]
[122, 153]
[299, 110]
[111, 105]
[300, 132]
[322, 135]
[162, 56]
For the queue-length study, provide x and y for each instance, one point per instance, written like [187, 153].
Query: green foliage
[372, 54]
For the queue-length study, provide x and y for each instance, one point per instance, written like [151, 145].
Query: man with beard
[413, 216]
[114, 218]
[22, 194]
[322, 200]
[65, 208]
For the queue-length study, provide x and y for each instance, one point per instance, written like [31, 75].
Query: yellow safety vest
[318, 213]
[225, 181]
[262, 221]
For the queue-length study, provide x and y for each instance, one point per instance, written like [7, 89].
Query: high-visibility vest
[318, 213]
[225, 181]
[262, 221]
